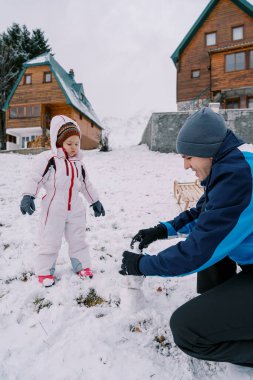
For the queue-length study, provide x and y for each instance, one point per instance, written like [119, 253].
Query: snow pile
[110, 327]
[126, 132]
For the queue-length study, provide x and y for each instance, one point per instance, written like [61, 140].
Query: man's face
[200, 166]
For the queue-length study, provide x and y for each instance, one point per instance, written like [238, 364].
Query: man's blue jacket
[221, 224]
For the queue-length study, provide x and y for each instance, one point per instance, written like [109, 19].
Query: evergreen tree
[25, 41]
[8, 73]
[17, 45]
[38, 43]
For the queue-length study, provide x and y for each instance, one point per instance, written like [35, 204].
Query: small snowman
[132, 297]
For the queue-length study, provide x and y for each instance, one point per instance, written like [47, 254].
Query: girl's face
[71, 145]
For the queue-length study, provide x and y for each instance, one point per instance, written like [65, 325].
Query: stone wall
[162, 129]
[241, 122]
[191, 105]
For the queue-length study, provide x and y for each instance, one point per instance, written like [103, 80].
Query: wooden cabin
[215, 59]
[44, 89]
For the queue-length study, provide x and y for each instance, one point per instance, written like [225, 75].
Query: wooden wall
[90, 132]
[195, 56]
[53, 102]
[234, 79]
[23, 122]
[38, 92]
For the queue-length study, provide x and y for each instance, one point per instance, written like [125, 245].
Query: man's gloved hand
[27, 205]
[98, 209]
[130, 264]
[149, 235]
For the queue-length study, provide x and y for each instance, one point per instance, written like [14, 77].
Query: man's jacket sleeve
[185, 221]
[226, 222]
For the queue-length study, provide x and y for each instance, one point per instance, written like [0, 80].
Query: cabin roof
[73, 92]
[242, 4]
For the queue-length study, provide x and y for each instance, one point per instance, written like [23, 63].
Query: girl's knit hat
[66, 130]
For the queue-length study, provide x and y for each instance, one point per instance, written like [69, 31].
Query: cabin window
[17, 112]
[23, 142]
[47, 77]
[36, 111]
[195, 73]
[251, 59]
[24, 112]
[21, 111]
[28, 79]
[235, 62]
[26, 140]
[233, 103]
[80, 116]
[237, 33]
[12, 139]
[250, 102]
[211, 39]
[29, 111]
[13, 113]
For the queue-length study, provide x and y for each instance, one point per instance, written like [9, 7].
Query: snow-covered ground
[50, 333]
[125, 132]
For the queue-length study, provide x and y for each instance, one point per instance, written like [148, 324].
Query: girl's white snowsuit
[62, 211]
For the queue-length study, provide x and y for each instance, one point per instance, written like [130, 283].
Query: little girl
[61, 173]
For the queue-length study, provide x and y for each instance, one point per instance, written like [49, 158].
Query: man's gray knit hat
[202, 134]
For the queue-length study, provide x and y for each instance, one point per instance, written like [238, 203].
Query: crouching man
[218, 324]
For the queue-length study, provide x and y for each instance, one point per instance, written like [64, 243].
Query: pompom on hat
[66, 130]
[202, 134]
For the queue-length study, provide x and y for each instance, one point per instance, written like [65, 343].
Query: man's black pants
[218, 324]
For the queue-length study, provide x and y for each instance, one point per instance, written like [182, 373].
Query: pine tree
[17, 45]
[26, 41]
[8, 73]
[39, 44]
[14, 37]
